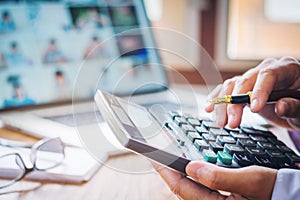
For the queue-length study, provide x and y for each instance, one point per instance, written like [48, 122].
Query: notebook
[55, 54]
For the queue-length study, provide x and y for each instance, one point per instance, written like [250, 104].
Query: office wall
[195, 19]
[181, 16]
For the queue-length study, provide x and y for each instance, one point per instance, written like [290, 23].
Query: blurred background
[237, 34]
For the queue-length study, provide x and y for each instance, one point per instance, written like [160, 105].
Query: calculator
[174, 139]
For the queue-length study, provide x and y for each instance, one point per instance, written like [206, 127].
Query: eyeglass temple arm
[13, 143]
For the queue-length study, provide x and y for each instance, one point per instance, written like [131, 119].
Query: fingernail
[193, 169]
[207, 104]
[282, 109]
[286, 108]
[254, 104]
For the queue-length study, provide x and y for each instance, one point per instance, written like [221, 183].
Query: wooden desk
[107, 183]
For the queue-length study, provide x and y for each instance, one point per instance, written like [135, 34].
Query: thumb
[247, 181]
[289, 108]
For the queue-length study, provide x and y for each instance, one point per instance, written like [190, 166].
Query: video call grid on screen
[43, 44]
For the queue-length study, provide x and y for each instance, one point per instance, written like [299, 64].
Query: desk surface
[107, 183]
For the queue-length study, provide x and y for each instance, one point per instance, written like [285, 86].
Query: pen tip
[218, 100]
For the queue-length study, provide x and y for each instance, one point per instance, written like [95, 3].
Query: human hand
[252, 182]
[271, 74]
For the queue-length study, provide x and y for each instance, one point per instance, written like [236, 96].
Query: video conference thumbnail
[36, 35]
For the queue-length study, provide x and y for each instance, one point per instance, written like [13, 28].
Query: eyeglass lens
[49, 154]
[12, 169]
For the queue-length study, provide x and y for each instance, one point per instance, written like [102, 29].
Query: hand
[244, 183]
[271, 74]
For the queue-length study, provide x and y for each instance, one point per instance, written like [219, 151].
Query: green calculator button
[209, 156]
[225, 157]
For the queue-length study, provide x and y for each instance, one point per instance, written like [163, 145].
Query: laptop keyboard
[200, 138]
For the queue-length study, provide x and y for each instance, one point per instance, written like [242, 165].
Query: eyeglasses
[45, 154]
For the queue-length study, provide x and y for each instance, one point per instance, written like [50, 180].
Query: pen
[246, 98]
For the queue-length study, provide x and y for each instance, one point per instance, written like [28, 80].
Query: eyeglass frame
[33, 156]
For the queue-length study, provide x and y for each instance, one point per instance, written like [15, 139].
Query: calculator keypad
[240, 147]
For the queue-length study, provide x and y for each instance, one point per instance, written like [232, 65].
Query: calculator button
[225, 157]
[225, 140]
[275, 141]
[266, 145]
[173, 114]
[218, 132]
[275, 154]
[216, 147]
[187, 128]
[228, 129]
[262, 161]
[201, 130]
[285, 164]
[237, 135]
[258, 138]
[284, 149]
[293, 158]
[246, 143]
[253, 151]
[209, 125]
[249, 130]
[193, 135]
[260, 128]
[179, 120]
[209, 156]
[208, 138]
[233, 148]
[204, 119]
[193, 122]
[242, 159]
[201, 145]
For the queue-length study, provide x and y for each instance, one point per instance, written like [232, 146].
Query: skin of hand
[253, 182]
[206, 179]
[269, 75]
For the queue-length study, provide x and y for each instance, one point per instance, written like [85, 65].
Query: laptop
[54, 55]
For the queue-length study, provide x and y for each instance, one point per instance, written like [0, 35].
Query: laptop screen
[45, 44]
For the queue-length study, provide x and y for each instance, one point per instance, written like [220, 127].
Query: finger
[221, 90]
[209, 107]
[266, 62]
[289, 108]
[279, 75]
[235, 113]
[246, 181]
[184, 187]
[291, 75]
[263, 87]
[243, 85]
[229, 85]
[220, 114]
